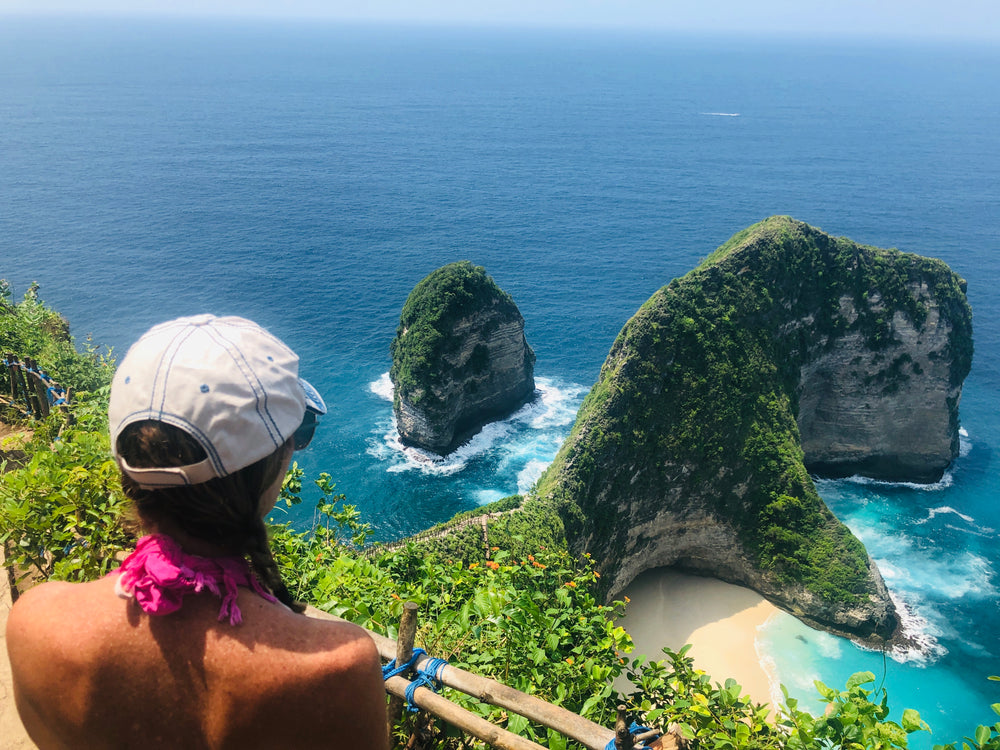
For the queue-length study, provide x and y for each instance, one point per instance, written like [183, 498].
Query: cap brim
[314, 402]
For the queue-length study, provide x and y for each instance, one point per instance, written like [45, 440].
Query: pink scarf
[159, 574]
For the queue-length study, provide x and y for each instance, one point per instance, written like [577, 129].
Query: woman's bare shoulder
[53, 601]
[55, 613]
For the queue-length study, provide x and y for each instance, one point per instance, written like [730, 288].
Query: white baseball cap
[227, 382]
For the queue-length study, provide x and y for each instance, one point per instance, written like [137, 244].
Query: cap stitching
[256, 386]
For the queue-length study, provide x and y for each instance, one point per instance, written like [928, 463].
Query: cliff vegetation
[459, 358]
[687, 451]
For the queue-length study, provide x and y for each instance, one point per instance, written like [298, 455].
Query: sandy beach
[719, 620]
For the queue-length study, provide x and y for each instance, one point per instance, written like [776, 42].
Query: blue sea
[308, 176]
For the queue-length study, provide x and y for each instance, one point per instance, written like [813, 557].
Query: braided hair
[224, 511]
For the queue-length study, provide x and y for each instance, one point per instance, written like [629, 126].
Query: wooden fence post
[404, 651]
[41, 389]
[623, 738]
[19, 387]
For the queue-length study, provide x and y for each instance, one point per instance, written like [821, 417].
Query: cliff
[459, 359]
[786, 350]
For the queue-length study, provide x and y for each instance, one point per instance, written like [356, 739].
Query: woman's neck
[189, 544]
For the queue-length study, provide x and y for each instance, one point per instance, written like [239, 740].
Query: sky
[973, 19]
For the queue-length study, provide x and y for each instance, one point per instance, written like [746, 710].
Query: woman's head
[204, 415]
[225, 382]
[223, 511]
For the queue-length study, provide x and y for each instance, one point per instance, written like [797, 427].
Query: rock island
[459, 359]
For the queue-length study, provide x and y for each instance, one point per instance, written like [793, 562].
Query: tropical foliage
[525, 613]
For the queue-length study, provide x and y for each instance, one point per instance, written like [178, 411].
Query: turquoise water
[309, 176]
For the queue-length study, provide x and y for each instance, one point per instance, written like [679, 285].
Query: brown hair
[224, 511]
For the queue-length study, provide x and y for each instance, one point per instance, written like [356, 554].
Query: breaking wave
[523, 444]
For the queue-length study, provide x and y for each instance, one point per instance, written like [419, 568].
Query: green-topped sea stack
[459, 360]
[786, 351]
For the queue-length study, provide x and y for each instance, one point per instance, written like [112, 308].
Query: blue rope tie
[428, 675]
[56, 395]
[635, 730]
[391, 670]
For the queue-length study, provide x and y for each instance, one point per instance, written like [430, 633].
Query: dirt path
[12, 734]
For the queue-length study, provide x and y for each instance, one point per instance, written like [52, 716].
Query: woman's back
[92, 669]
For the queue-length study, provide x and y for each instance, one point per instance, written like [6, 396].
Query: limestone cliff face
[889, 413]
[460, 358]
[687, 451]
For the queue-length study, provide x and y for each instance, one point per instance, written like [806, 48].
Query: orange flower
[538, 565]
[596, 574]
[569, 659]
[494, 549]
[627, 600]
[473, 566]
[492, 565]
[571, 584]
[531, 558]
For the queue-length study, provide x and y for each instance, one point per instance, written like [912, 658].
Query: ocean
[308, 176]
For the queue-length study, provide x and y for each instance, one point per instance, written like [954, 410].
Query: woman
[195, 641]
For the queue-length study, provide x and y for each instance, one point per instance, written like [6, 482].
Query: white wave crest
[553, 407]
[942, 510]
[529, 475]
[920, 638]
[382, 387]
[964, 443]
[943, 483]
[721, 114]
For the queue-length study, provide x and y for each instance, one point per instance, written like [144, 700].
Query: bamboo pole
[623, 738]
[458, 717]
[404, 650]
[41, 389]
[589, 734]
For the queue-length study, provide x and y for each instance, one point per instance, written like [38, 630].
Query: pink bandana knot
[159, 574]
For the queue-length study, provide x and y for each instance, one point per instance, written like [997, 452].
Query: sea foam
[525, 442]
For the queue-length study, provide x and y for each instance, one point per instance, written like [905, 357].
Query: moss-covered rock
[687, 452]
[459, 358]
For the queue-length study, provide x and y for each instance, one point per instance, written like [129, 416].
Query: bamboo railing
[589, 734]
[32, 392]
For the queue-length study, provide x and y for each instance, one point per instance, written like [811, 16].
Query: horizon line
[507, 24]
